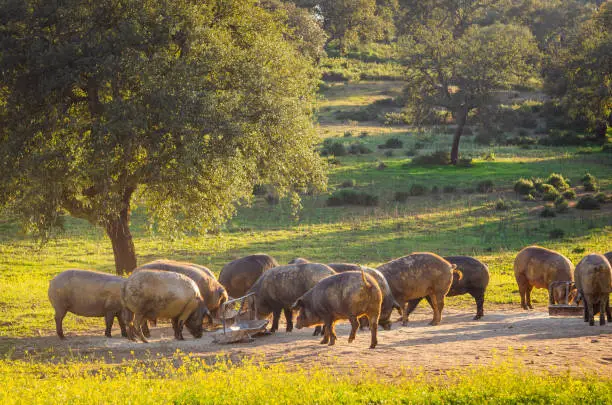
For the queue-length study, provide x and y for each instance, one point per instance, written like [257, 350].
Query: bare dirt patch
[540, 341]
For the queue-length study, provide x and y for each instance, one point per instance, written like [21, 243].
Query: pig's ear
[298, 304]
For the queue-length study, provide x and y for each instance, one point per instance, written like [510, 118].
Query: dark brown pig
[419, 275]
[337, 267]
[594, 283]
[474, 282]
[349, 295]
[238, 276]
[211, 290]
[87, 293]
[609, 256]
[278, 288]
[151, 294]
[537, 267]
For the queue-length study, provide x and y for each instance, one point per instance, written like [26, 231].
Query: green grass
[188, 379]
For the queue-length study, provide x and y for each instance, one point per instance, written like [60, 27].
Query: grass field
[460, 222]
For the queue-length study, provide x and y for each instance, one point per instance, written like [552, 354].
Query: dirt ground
[535, 338]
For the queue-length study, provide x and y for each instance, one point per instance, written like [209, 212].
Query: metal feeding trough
[239, 321]
[564, 308]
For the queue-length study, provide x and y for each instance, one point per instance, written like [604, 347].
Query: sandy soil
[538, 340]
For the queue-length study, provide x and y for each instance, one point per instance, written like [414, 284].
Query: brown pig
[87, 293]
[609, 256]
[537, 267]
[278, 288]
[349, 295]
[594, 283]
[238, 276]
[152, 294]
[420, 275]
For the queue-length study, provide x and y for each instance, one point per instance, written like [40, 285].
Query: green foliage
[561, 204]
[549, 193]
[333, 148]
[556, 233]
[436, 158]
[418, 189]
[348, 183]
[569, 194]
[524, 186]
[465, 162]
[502, 205]
[588, 202]
[352, 197]
[590, 182]
[358, 148]
[558, 181]
[601, 198]
[392, 143]
[485, 186]
[401, 196]
[548, 212]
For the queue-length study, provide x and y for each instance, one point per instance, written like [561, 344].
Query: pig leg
[332, 334]
[436, 311]
[59, 319]
[326, 332]
[275, 318]
[180, 329]
[373, 318]
[109, 317]
[405, 314]
[412, 304]
[608, 312]
[138, 321]
[528, 296]
[121, 321]
[289, 318]
[354, 326]
[131, 330]
[523, 284]
[145, 328]
[317, 331]
[175, 327]
[602, 309]
[479, 298]
[590, 308]
[586, 306]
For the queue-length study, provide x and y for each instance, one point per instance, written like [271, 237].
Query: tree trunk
[461, 119]
[118, 230]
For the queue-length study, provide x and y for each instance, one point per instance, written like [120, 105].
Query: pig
[213, 293]
[349, 295]
[420, 275]
[388, 303]
[151, 294]
[474, 282]
[278, 288]
[87, 293]
[594, 283]
[536, 266]
[238, 276]
[299, 260]
[609, 256]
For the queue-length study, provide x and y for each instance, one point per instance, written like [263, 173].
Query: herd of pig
[321, 294]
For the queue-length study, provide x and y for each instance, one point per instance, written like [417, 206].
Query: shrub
[352, 197]
[259, 189]
[561, 204]
[465, 162]
[348, 183]
[400, 196]
[333, 148]
[272, 199]
[569, 194]
[601, 198]
[529, 197]
[550, 193]
[485, 186]
[363, 134]
[591, 187]
[556, 233]
[538, 183]
[449, 189]
[523, 186]
[435, 189]
[358, 148]
[348, 134]
[588, 178]
[410, 152]
[501, 205]
[419, 145]
[469, 190]
[381, 166]
[588, 202]
[437, 158]
[489, 157]
[388, 153]
[557, 181]
[548, 212]
[418, 189]
[392, 143]
[607, 147]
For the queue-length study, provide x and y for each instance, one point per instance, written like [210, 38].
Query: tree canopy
[183, 106]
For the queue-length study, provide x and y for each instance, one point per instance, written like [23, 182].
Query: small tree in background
[184, 106]
[461, 74]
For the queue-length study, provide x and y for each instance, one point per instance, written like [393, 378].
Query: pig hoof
[350, 340]
[432, 323]
[477, 317]
[591, 323]
[405, 323]
[373, 346]
[108, 335]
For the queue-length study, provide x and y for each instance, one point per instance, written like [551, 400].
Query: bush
[388, 153]
[381, 166]
[529, 197]
[557, 181]
[607, 147]
[588, 202]
[348, 134]
[400, 196]
[333, 148]
[556, 233]
[588, 178]
[410, 152]
[539, 184]
[272, 199]
[352, 197]
[601, 198]
[418, 189]
[435, 189]
[464, 162]
[501, 205]
[569, 194]
[591, 187]
[358, 148]
[485, 186]
[561, 204]
[489, 157]
[348, 183]
[449, 189]
[363, 134]
[259, 189]
[550, 193]
[392, 143]
[437, 158]
[548, 212]
[523, 186]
